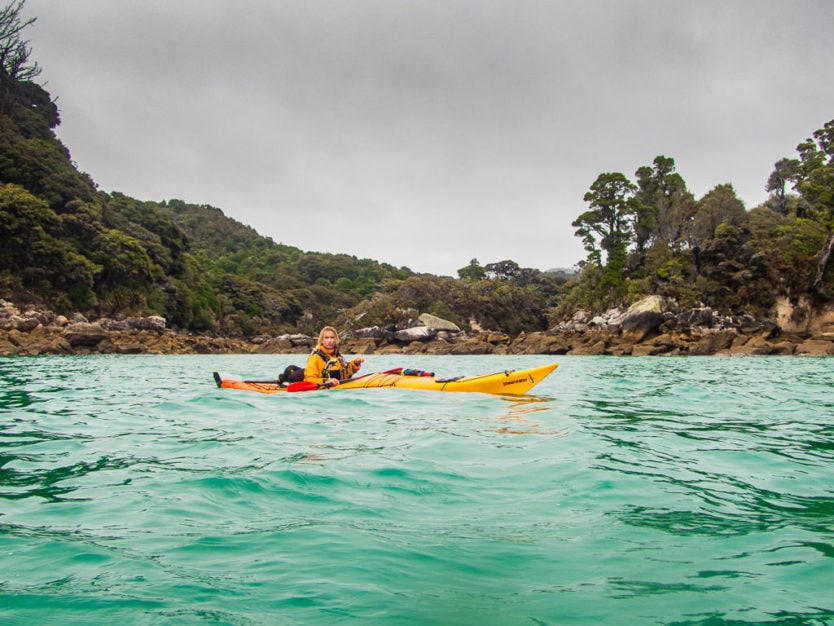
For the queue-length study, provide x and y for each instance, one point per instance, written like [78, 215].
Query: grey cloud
[430, 132]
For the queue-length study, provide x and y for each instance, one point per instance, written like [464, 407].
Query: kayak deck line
[505, 382]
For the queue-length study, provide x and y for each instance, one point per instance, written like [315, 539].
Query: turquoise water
[622, 491]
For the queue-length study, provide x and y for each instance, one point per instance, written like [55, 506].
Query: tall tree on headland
[663, 204]
[784, 172]
[15, 67]
[608, 226]
[814, 180]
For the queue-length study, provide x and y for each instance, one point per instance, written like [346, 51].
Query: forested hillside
[68, 246]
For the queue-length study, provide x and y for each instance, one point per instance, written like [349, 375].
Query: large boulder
[712, 342]
[27, 323]
[84, 334]
[374, 333]
[276, 345]
[641, 318]
[417, 333]
[757, 345]
[438, 323]
[541, 343]
[815, 347]
[151, 322]
[472, 345]
[359, 346]
[286, 344]
[589, 349]
[702, 316]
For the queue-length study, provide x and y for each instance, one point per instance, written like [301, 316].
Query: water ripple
[673, 491]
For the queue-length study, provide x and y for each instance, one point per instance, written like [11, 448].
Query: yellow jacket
[323, 364]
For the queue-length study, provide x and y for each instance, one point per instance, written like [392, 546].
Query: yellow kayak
[511, 382]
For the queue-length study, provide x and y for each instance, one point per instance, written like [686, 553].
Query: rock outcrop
[43, 332]
[653, 326]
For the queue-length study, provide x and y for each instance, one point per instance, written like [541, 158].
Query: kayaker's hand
[331, 382]
[359, 360]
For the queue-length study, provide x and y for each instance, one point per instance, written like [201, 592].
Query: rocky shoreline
[652, 327]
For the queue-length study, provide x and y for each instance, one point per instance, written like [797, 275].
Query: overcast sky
[426, 133]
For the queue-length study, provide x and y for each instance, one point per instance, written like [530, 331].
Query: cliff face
[804, 319]
[651, 327]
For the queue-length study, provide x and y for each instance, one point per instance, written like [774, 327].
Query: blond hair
[332, 330]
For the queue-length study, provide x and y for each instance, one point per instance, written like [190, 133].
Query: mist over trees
[70, 247]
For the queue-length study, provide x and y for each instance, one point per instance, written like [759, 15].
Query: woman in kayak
[326, 365]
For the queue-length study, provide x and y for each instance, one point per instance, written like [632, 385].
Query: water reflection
[52, 483]
[518, 418]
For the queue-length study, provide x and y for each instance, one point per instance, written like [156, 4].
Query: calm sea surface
[622, 491]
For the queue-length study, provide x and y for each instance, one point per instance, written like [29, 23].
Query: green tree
[503, 270]
[15, 67]
[608, 226]
[784, 172]
[25, 222]
[789, 244]
[663, 204]
[36, 254]
[472, 272]
[815, 182]
[126, 261]
[153, 227]
[718, 206]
